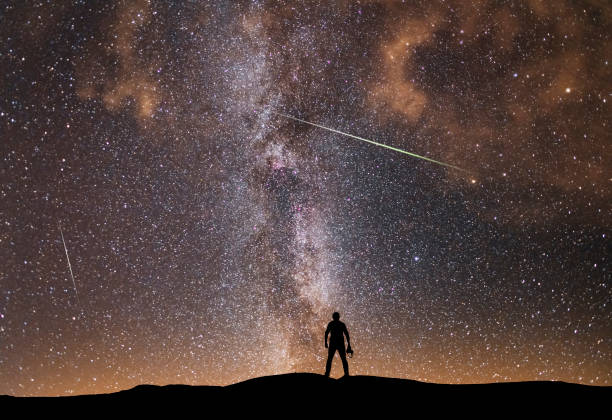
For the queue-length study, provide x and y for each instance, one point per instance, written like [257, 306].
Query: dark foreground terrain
[300, 394]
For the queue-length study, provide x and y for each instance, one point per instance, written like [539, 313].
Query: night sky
[210, 238]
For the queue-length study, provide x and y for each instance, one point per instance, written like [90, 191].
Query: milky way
[211, 238]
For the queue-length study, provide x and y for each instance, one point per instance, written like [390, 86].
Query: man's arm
[326, 334]
[348, 339]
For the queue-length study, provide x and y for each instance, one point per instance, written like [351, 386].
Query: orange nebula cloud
[133, 80]
[396, 90]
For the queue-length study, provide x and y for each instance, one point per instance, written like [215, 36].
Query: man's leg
[330, 357]
[342, 353]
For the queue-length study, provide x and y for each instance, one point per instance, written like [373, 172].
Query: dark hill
[299, 394]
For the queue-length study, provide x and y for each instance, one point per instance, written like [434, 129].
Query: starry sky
[162, 222]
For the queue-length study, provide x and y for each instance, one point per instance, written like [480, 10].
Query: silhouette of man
[336, 342]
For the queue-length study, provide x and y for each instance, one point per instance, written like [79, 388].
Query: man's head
[336, 316]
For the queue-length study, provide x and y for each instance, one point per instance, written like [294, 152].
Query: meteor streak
[69, 265]
[371, 142]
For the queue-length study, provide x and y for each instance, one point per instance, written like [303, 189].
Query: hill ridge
[311, 392]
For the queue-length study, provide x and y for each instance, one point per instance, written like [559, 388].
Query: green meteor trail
[371, 142]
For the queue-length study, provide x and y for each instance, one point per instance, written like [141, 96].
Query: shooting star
[371, 142]
[69, 265]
